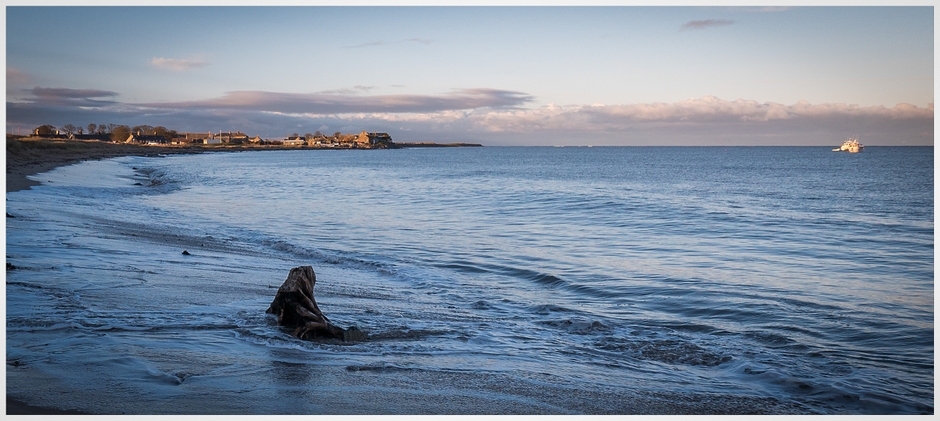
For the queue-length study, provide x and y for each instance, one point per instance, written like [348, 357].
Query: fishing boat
[850, 145]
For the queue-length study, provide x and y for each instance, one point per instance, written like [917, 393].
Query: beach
[27, 157]
[361, 389]
[33, 157]
[474, 301]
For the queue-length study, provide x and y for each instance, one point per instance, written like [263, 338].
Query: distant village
[161, 136]
[149, 135]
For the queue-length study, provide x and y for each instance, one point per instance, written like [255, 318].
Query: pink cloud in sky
[76, 97]
[706, 110]
[707, 120]
[17, 77]
[334, 103]
[498, 116]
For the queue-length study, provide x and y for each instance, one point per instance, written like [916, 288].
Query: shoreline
[31, 157]
[26, 156]
[225, 357]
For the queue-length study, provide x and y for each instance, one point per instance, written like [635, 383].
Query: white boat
[850, 145]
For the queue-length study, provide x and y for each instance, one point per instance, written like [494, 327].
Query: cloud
[71, 97]
[703, 121]
[349, 91]
[17, 77]
[693, 112]
[707, 23]
[332, 103]
[177, 65]
[491, 116]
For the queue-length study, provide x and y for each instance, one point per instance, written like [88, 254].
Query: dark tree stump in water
[295, 307]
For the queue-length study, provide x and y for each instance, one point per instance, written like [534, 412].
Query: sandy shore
[27, 158]
[33, 156]
[15, 407]
[390, 391]
[30, 157]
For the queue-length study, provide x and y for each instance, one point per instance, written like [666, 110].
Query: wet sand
[15, 407]
[27, 157]
[390, 391]
[31, 157]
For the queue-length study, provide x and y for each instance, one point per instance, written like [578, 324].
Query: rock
[185, 253]
[10, 216]
[295, 307]
[10, 266]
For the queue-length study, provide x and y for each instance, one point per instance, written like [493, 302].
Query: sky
[547, 75]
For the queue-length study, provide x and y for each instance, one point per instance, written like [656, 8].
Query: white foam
[109, 173]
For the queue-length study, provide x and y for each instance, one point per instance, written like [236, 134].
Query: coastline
[354, 389]
[34, 156]
[30, 157]
[281, 380]
[27, 156]
[31, 160]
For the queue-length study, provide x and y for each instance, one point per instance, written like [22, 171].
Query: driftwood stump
[296, 308]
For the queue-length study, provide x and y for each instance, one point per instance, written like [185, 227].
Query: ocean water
[489, 280]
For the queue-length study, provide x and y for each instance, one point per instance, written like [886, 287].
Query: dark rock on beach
[295, 307]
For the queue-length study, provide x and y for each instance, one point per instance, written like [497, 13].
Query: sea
[489, 280]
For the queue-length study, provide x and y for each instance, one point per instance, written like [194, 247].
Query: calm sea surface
[798, 278]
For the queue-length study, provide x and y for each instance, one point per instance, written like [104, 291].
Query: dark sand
[381, 391]
[15, 407]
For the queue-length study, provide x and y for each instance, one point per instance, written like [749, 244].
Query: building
[295, 141]
[233, 137]
[209, 138]
[373, 138]
[193, 137]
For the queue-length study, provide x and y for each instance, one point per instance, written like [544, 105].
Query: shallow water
[793, 279]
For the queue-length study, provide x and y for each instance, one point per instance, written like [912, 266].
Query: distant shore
[30, 156]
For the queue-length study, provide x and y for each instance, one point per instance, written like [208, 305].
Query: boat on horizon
[850, 145]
